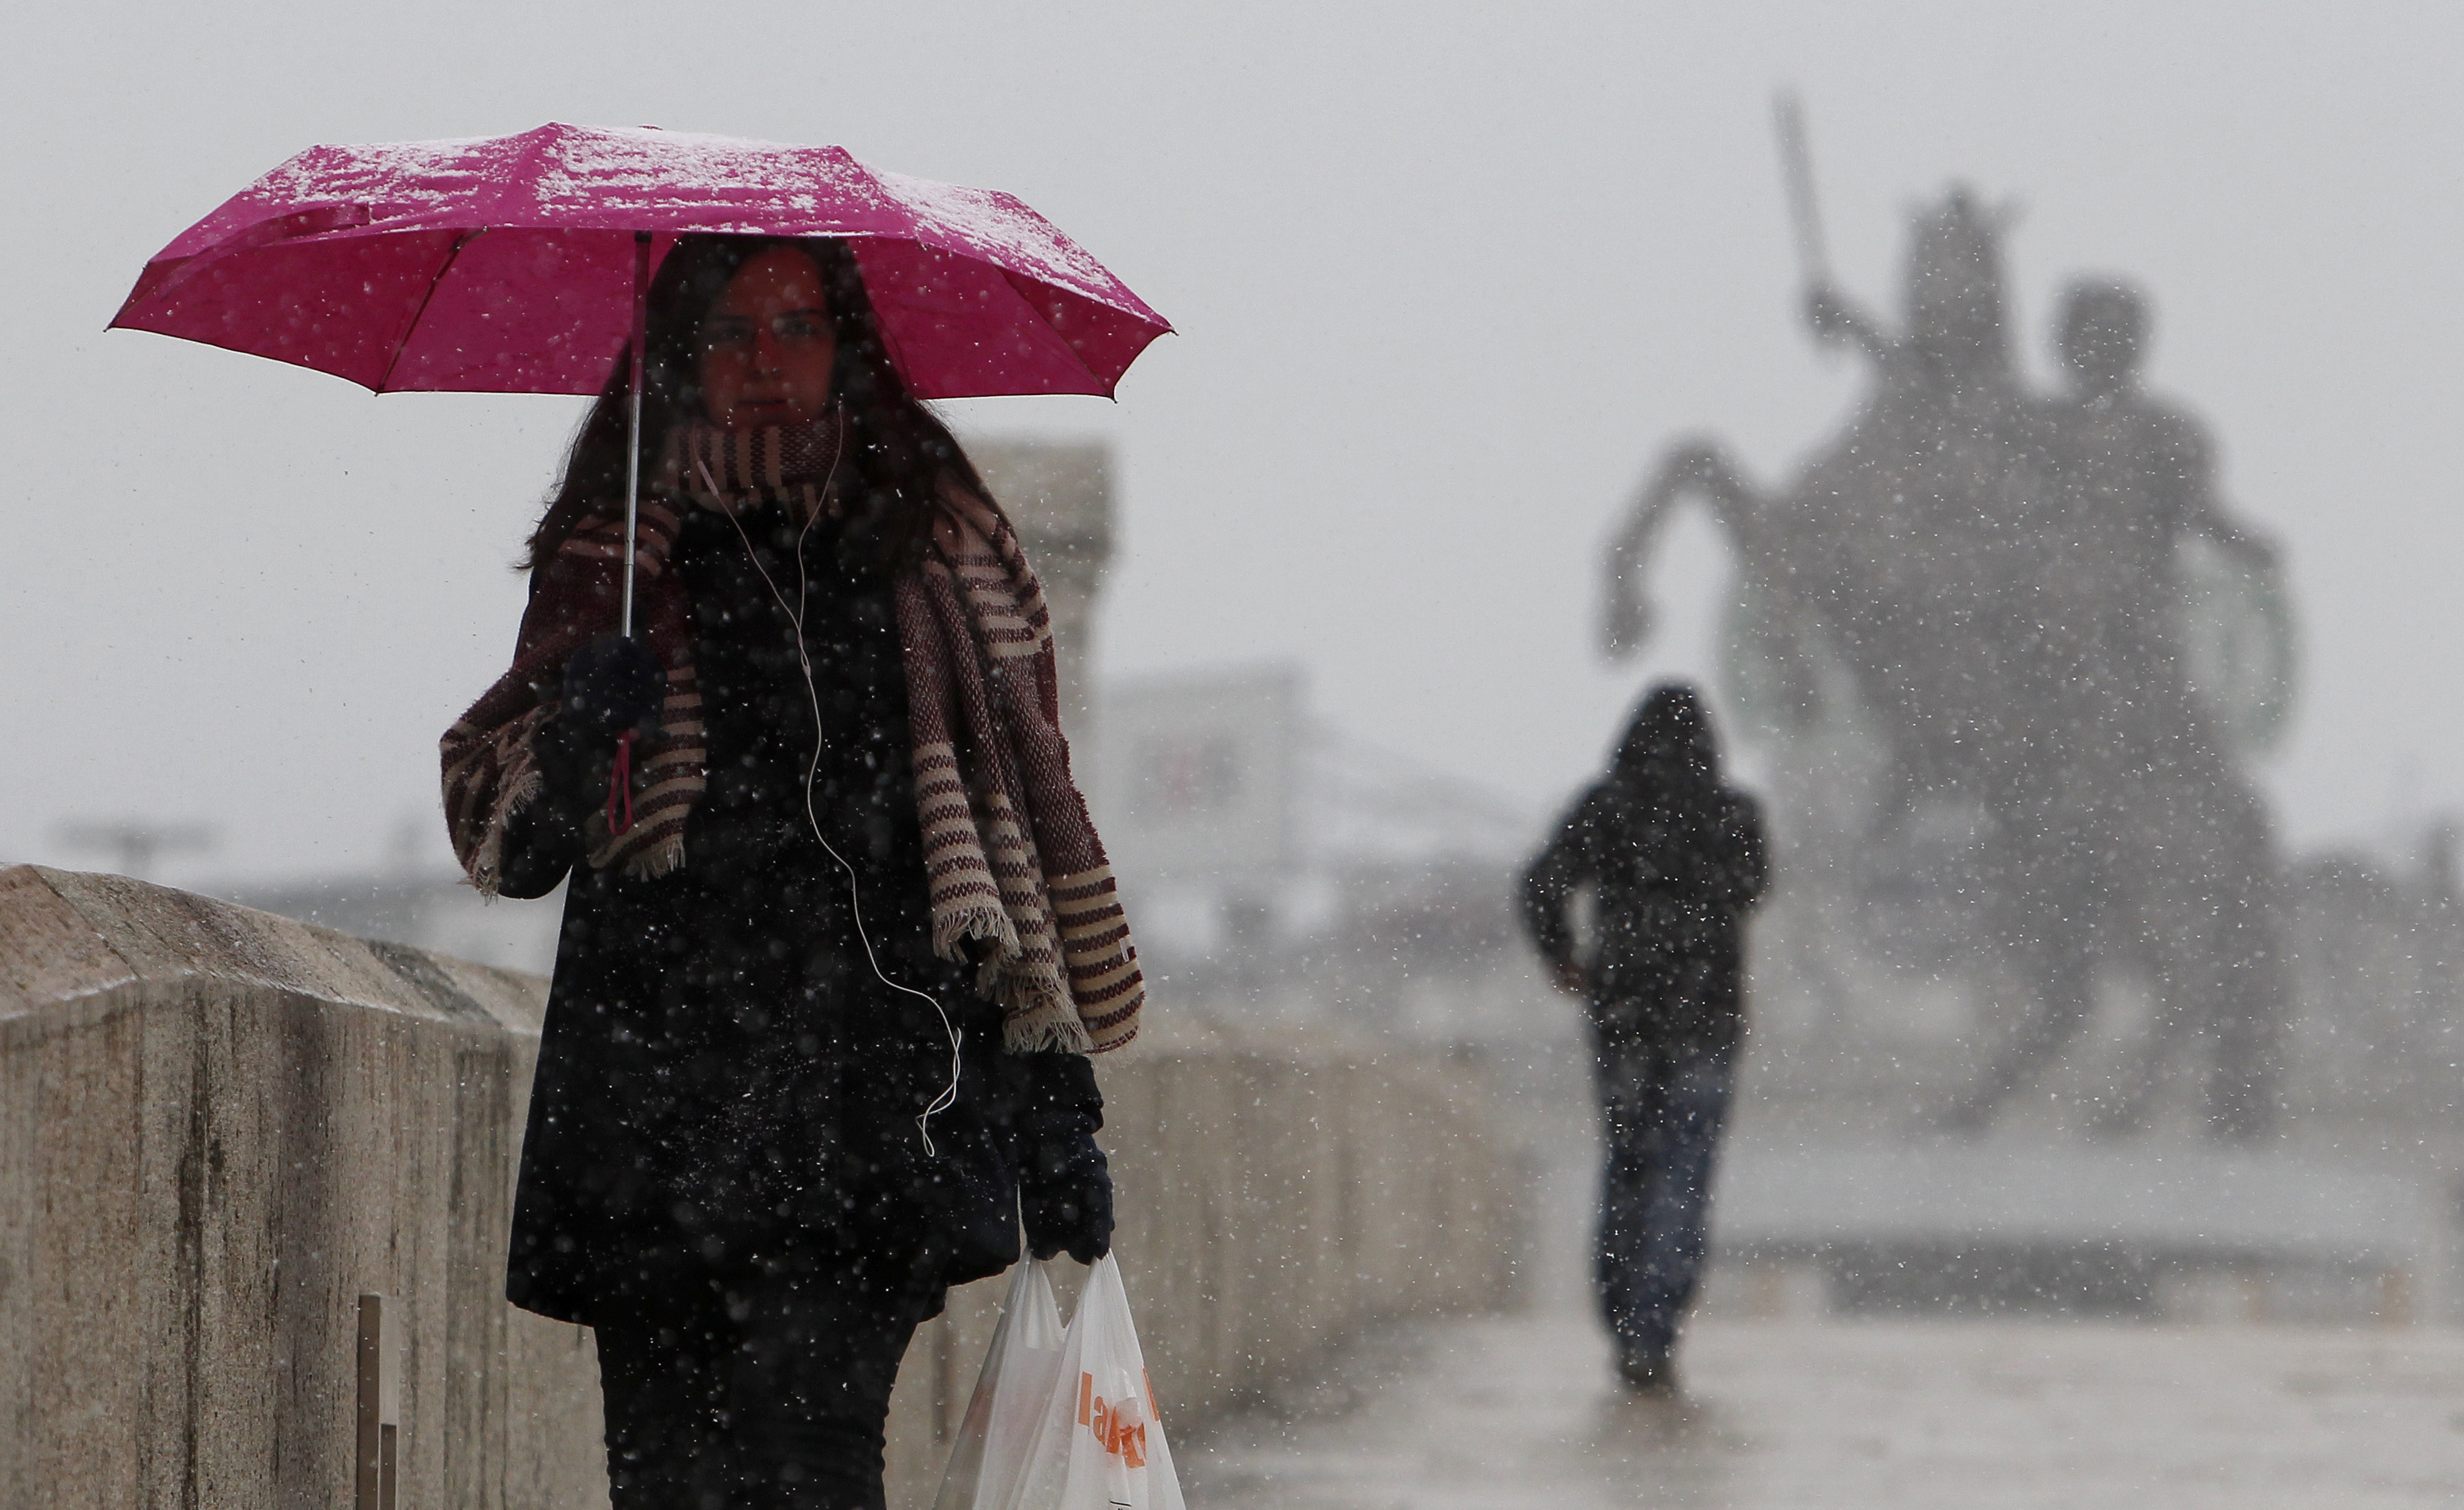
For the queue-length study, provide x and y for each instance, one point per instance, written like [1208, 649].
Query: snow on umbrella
[506, 264]
[521, 264]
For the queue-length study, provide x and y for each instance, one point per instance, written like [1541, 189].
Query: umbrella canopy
[506, 264]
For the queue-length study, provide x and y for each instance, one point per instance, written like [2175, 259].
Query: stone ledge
[84, 942]
[218, 1127]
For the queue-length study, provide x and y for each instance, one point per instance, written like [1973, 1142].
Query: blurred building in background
[1285, 870]
[1059, 496]
[1198, 789]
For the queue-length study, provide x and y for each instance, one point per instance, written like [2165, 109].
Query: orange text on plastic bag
[1119, 1433]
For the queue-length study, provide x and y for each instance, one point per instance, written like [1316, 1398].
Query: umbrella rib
[461, 241]
[1068, 346]
[270, 272]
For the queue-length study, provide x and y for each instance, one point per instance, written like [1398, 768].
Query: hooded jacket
[1673, 859]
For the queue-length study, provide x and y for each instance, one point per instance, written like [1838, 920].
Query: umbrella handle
[633, 432]
[620, 788]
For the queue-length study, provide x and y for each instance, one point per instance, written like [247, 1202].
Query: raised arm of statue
[2189, 470]
[1837, 321]
[2254, 550]
[1692, 467]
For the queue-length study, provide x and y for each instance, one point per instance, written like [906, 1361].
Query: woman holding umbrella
[837, 935]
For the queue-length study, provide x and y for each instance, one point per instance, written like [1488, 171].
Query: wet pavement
[1785, 1406]
[1521, 1410]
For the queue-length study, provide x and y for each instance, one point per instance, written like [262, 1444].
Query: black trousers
[754, 1392]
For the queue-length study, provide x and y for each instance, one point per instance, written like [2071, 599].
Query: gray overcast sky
[1448, 278]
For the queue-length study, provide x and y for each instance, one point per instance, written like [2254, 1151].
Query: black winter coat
[1675, 860]
[723, 1080]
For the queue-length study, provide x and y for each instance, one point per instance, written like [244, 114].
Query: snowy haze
[1447, 278]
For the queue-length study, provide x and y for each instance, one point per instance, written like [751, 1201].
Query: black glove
[1065, 1193]
[611, 684]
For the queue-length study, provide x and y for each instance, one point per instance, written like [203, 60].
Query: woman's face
[767, 345]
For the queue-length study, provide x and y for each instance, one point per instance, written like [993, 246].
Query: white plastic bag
[1013, 1393]
[1099, 1446]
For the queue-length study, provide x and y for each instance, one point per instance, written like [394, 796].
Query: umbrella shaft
[633, 422]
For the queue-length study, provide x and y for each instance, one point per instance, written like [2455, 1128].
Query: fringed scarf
[1016, 875]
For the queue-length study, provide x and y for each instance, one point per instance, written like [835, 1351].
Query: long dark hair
[899, 449]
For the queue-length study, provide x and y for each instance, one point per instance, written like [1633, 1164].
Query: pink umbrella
[521, 264]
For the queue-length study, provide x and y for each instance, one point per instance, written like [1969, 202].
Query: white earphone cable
[949, 1096]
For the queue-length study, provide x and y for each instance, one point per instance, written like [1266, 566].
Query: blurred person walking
[838, 934]
[1673, 860]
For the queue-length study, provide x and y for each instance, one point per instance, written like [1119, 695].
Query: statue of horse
[1990, 592]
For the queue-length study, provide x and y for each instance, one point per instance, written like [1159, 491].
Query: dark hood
[1668, 742]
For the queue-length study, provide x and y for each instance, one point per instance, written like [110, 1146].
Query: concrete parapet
[218, 1128]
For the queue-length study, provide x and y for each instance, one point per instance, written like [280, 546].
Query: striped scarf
[787, 464]
[1016, 875]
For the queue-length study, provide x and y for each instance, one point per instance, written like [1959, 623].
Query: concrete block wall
[219, 1127]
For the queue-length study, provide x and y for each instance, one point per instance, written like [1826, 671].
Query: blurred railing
[220, 1129]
